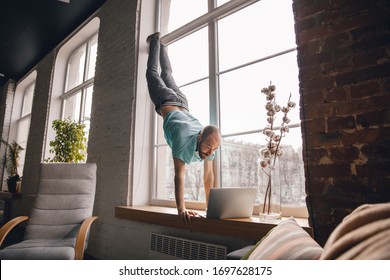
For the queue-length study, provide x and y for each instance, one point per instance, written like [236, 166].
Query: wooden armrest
[5, 229]
[82, 236]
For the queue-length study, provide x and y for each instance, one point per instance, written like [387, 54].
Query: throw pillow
[287, 241]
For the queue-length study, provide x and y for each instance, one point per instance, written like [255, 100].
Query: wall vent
[164, 247]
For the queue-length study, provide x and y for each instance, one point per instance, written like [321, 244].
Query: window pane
[189, 57]
[87, 110]
[240, 165]
[165, 174]
[27, 100]
[88, 103]
[239, 157]
[92, 59]
[221, 2]
[178, 12]
[72, 107]
[22, 132]
[76, 66]
[21, 139]
[256, 32]
[242, 103]
[198, 100]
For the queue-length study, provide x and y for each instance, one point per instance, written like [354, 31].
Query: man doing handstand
[188, 139]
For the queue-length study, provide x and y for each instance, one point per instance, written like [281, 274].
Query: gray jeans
[162, 87]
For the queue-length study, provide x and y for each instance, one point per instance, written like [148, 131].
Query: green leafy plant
[11, 162]
[69, 144]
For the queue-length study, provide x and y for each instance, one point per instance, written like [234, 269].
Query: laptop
[225, 203]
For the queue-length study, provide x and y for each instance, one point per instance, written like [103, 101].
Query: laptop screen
[231, 203]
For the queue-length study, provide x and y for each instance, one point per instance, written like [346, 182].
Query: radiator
[165, 247]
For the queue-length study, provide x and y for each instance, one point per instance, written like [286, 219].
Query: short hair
[209, 130]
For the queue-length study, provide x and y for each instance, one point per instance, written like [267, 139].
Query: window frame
[217, 12]
[66, 48]
[27, 91]
[85, 83]
[18, 116]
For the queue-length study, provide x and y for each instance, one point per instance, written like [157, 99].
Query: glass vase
[270, 200]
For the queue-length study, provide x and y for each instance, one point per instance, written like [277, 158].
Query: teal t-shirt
[181, 130]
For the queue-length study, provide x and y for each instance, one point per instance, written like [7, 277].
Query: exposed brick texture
[344, 66]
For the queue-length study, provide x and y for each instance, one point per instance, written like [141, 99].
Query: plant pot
[12, 183]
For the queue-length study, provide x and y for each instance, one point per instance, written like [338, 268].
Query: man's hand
[185, 215]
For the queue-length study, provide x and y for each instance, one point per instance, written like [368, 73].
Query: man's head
[209, 140]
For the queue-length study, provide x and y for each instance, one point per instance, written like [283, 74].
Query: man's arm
[208, 178]
[183, 213]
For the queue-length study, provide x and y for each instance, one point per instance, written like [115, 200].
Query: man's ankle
[155, 35]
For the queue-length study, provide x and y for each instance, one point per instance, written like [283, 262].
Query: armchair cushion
[65, 197]
[40, 249]
[287, 241]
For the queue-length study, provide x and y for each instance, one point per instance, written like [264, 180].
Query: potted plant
[11, 162]
[69, 144]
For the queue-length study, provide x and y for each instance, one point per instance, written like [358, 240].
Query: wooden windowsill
[247, 228]
[8, 195]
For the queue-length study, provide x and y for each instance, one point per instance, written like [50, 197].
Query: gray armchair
[60, 219]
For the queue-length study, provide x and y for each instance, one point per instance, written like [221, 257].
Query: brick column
[344, 68]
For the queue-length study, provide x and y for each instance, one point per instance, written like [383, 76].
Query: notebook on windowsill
[226, 203]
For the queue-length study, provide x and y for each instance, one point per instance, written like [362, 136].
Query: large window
[21, 118]
[21, 115]
[23, 123]
[223, 53]
[77, 99]
[72, 86]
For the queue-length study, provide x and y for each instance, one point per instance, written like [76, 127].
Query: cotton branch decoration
[272, 149]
